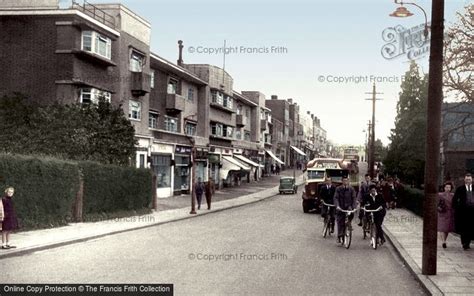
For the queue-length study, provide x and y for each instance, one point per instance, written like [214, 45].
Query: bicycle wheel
[373, 236]
[348, 236]
[364, 227]
[326, 226]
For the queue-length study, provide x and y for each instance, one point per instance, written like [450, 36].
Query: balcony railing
[175, 103]
[140, 83]
[95, 12]
[239, 120]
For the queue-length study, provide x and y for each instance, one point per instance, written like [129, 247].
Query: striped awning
[274, 156]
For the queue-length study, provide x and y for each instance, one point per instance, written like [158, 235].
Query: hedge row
[413, 200]
[46, 189]
[128, 189]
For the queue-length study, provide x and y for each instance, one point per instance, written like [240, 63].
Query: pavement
[404, 230]
[168, 210]
[455, 266]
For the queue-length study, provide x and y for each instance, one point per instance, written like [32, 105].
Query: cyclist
[372, 201]
[326, 193]
[345, 199]
[363, 190]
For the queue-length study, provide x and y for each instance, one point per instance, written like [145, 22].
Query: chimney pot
[180, 57]
[274, 97]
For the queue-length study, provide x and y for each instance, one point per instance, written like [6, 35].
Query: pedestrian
[209, 191]
[463, 203]
[445, 212]
[199, 189]
[390, 194]
[273, 169]
[345, 199]
[277, 169]
[10, 221]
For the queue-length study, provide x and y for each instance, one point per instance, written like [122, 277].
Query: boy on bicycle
[345, 199]
[372, 201]
[326, 194]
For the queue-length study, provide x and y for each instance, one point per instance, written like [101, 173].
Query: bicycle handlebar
[369, 211]
[346, 211]
[329, 205]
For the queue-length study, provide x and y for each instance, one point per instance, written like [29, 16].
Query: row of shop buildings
[184, 115]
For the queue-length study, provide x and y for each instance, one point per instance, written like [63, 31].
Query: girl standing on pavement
[445, 212]
[10, 221]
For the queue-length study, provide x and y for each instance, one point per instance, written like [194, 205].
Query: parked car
[288, 185]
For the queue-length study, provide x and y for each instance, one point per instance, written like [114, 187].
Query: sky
[325, 55]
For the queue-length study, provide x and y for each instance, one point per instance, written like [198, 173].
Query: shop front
[182, 170]
[161, 163]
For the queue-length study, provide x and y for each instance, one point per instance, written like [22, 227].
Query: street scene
[236, 148]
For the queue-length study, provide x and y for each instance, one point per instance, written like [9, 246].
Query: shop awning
[235, 162]
[227, 166]
[274, 156]
[246, 160]
[298, 150]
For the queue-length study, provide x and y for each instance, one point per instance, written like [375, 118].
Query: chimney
[308, 112]
[312, 116]
[180, 58]
[274, 97]
[290, 101]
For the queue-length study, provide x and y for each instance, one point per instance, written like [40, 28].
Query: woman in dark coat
[445, 213]
[10, 221]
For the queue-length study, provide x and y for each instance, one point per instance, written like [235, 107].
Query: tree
[380, 151]
[458, 61]
[406, 152]
[98, 132]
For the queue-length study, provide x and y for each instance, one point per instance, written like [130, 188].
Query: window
[136, 61]
[134, 110]
[191, 94]
[239, 109]
[97, 43]
[217, 97]
[172, 86]
[190, 129]
[227, 102]
[262, 115]
[152, 79]
[162, 169]
[247, 112]
[229, 132]
[142, 161]
[238, 134]
[171, 124]
[92, 95]
[247, 136]
[153, 120]
[217, 129]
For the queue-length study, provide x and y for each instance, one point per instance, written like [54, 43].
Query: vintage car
[316, 173]
[288, 185]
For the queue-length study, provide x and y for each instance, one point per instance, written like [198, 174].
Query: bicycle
[347, 231]
[328, 223]
[371, 227]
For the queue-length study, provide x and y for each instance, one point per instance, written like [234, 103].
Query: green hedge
[110, 190]
[45, 189]
[412, 199]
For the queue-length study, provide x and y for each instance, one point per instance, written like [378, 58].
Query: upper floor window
[172, 86]
[134, 110]
[238, 134]
[136, 61]
[227, 102]
[190, 129]
[239, 109]
[221, 130]
[153, 120]
[92, 95]
[171, 124]
[247, 136]
[97, 43]
[247, 112]
[152, 79]
[191, 94]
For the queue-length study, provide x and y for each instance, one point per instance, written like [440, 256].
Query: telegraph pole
[374, 94]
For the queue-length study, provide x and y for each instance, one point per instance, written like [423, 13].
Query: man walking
[463, 202]
[345, 199]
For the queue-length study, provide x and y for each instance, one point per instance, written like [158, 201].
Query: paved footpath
[455, 272]
[169, 210]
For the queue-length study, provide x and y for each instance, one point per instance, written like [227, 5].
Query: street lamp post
[433, 136]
